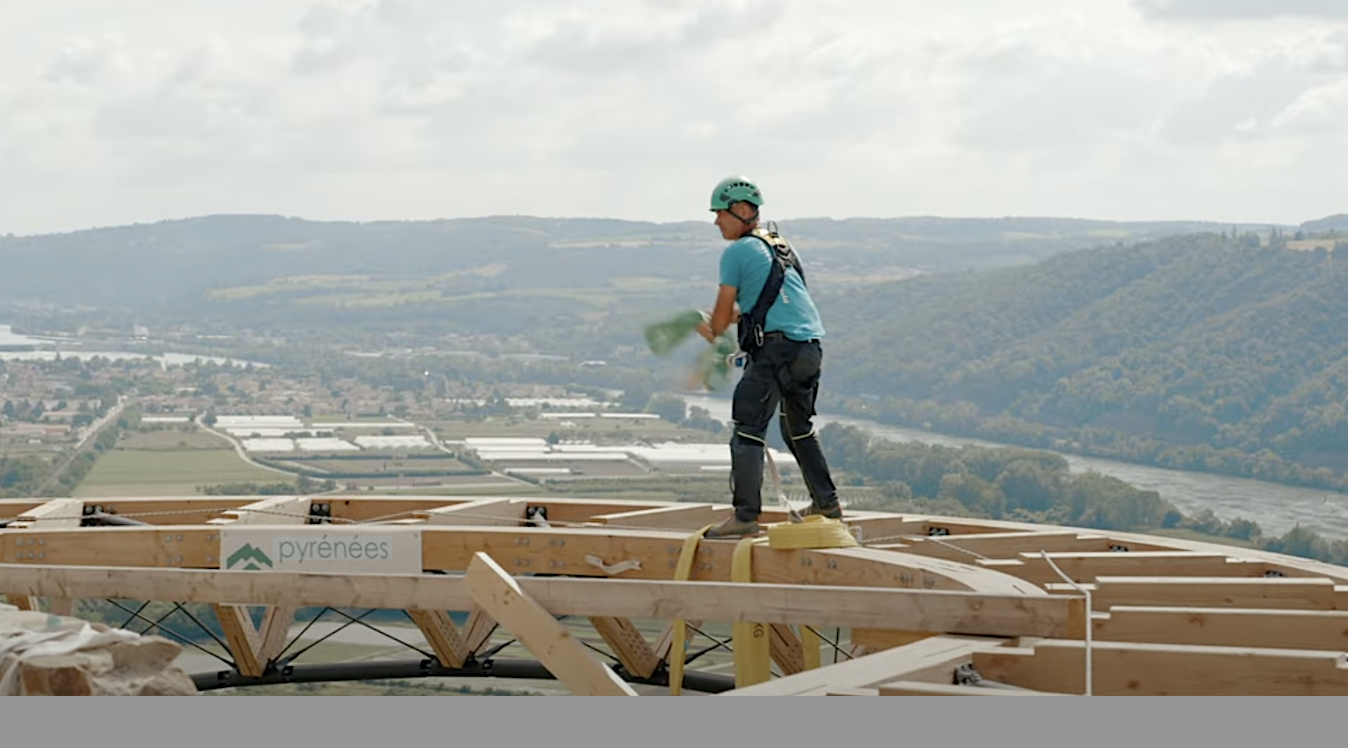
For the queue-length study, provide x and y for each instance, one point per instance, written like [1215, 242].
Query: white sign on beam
[379, 549]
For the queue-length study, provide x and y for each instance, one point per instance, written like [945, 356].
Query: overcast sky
[143, 110]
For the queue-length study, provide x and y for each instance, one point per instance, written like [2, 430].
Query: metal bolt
[42, 541]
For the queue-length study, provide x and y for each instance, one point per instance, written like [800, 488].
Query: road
[89, 434]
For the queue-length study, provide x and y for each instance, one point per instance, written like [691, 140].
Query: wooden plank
[894, 608]
[678, 516]
[1139, 669]
[878, 640]
[785, 649]
[853, 692]
[666, 640]
[274, 631]
[498, 512]
[1226, 627]
[1086, 566]
[169, 546]
[538, 630]
[25, 602]
[886, 527]
[170, 510]
[972, 548]
[628, 645]
[915, 688]
[567, 551]
[477, 629]
[274, 510]
[57, 513]
[244, 644]
[386, 508]
[1307, 593]
[442, 635]
[933, 659]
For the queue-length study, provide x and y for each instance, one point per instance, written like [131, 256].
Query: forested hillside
[1144, 352]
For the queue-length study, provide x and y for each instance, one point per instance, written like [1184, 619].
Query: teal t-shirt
[745, 265]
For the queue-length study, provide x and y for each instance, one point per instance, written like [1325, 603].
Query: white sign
[321, 548]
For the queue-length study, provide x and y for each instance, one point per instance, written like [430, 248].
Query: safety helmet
[734, 190]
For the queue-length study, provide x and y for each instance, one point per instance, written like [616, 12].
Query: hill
[1201, 351]
[171, 265]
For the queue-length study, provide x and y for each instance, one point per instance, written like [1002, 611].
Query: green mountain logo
[252, 558]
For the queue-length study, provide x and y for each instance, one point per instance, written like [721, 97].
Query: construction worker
[783, 371]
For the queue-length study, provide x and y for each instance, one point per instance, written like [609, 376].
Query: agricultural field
[168, 472]
[598, 430]
[170, 439]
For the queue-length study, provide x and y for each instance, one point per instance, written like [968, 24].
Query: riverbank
[1276, 508]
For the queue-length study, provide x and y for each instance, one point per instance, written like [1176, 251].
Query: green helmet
[734, 190]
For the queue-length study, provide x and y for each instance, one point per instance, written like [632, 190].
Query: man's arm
[725, 313]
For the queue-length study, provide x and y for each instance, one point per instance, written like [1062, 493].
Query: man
[785, 370]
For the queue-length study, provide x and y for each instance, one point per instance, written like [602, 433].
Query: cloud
[1185, 9]
[633, 108]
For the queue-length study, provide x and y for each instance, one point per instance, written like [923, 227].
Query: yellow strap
[678, 644]
[753, 656]
[809, 642]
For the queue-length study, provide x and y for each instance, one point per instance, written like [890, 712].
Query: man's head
[735, 201]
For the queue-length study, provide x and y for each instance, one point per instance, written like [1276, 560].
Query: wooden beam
[487, 512]
[477, 629]
[169, 546]
[1137, 669]
[627, 643]
[878, 640]
[274, 631]
[973, 613]
[677, 516]
[275, 510]
[1087, 566]
[974, 547]
[243, 640]
[538, 630]
[785, 649]
[57, 513]
[1309, 593]
[25, 602]
[1226, 627]
[442, 635]
[933, 659]
[914, 688]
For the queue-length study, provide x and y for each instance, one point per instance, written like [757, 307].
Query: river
[9, 338]
[1277, 508]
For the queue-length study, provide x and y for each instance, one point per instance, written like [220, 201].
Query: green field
[168, 472]
[170, 439]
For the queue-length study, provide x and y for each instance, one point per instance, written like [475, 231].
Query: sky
[146, 110]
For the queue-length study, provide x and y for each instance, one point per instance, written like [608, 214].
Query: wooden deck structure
[932, 605]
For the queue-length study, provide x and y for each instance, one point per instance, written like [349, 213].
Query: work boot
[733, 527]
[833, 512]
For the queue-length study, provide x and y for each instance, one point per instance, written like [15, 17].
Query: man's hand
[704, 330]
[723, 314]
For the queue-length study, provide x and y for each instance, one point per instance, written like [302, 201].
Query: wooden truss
[931, 605]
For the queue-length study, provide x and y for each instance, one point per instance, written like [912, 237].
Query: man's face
[731, 227]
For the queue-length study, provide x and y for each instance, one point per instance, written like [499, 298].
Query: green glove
[663, 337]
[714, 366]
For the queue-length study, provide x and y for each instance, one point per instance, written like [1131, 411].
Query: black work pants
[781, 373]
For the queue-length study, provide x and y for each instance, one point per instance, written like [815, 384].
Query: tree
[669, 407]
